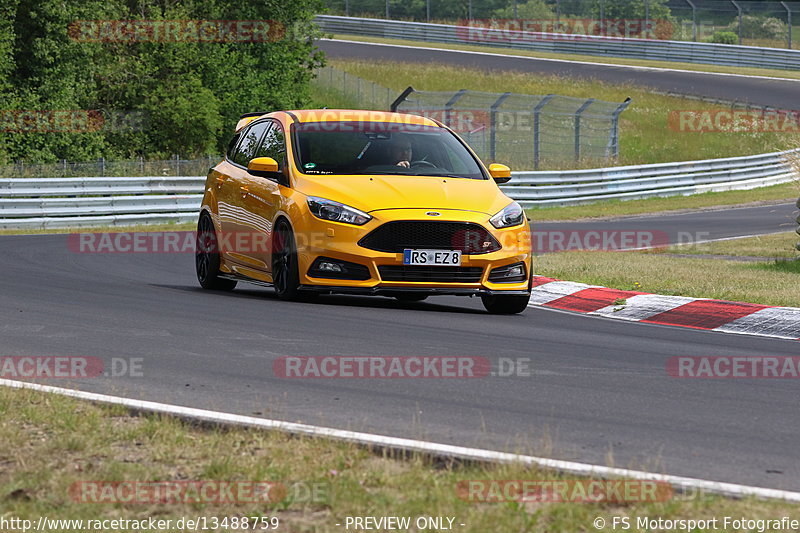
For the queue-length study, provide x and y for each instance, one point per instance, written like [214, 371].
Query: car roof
[342, 115]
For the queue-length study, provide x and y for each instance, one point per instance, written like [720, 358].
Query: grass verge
[775, 246]
[605, 60]
[771, 282]
[103, 229]
[49, 443]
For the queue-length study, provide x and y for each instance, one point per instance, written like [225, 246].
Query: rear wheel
[285, 276]
[410, 297]
[206, 258]
[500, 304]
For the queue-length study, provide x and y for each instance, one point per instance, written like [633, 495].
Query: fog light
[509, 273]
[329, 267]
[516, 270]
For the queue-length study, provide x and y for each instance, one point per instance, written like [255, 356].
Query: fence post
[578, 113]
[400, 99]
[739, 9]
[102, 162]
[346, 8]
[789, 22]
[614, 137]
[387, 9]
[647, 18]
[694, 20]
[177, 165]
[427, 10]
[449, 106]
[537, 129]
[469, 10]
[558, 12]
[493, 125]
[602, 17]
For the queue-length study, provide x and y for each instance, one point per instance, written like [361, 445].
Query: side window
[247, 147]
[274, 145]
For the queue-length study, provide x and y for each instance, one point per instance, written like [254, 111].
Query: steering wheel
[422, 163]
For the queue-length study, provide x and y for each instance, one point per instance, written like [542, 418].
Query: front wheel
[285, 276]
[206, 258]
[500, 304]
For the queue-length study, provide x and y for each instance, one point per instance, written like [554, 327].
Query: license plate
[432, 257]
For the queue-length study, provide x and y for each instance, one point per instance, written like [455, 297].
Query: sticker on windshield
[309, 165]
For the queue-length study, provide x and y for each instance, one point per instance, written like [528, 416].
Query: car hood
[375, 192]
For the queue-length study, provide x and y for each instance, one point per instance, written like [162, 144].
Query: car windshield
[361, 147]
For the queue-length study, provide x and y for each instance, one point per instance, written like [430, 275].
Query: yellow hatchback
[361, 202]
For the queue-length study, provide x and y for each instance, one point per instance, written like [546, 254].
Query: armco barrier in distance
[678, 51]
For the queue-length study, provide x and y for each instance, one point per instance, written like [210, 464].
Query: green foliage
[533, 9]
[189, 93]
[755, 27]
[724, 37]
[618, 9]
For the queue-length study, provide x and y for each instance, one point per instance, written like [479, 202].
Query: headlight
[330, 210]
[511, 215]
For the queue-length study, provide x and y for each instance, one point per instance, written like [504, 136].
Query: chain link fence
[175, 166]
[524, 131]
[747, 22]
[357, 92]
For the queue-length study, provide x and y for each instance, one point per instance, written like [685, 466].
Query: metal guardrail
[81, 202]
[39, 203]
[680, 51]
[571, 187]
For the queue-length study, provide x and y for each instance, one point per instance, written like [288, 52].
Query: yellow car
[361, 202]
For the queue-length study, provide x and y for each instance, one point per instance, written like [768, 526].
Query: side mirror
[500, 173]
[265, 167]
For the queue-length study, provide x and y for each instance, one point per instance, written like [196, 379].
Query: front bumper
[340, 242]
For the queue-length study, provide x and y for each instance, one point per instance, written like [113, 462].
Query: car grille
[472, 239]
[436, 274]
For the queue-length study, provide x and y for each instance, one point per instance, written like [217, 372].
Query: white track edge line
[727, 489]
[573, 61]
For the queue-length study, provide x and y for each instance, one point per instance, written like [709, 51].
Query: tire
[285, 276]
[410, 297]
[206, 257]
[498, 304]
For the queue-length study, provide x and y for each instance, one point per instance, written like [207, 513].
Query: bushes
[755, 27]
[191, 93]
[724, 37]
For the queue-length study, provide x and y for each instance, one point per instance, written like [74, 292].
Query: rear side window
[250, 138]
[274, 145]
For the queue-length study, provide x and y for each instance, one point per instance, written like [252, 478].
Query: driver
[400, 153]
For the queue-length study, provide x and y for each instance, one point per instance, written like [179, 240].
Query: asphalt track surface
[676, 228]
[597, 388]
[781, 94]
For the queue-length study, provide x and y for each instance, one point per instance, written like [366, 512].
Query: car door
[262, 196]
[236, 220]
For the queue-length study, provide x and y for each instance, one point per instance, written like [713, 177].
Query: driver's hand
[404, 164]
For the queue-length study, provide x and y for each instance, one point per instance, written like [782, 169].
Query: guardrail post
[739, 9]
[537, 129]
[493, 124]
[789, 23]
[449, 106]
[578, 113]
[694, 20]
[614, 137]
